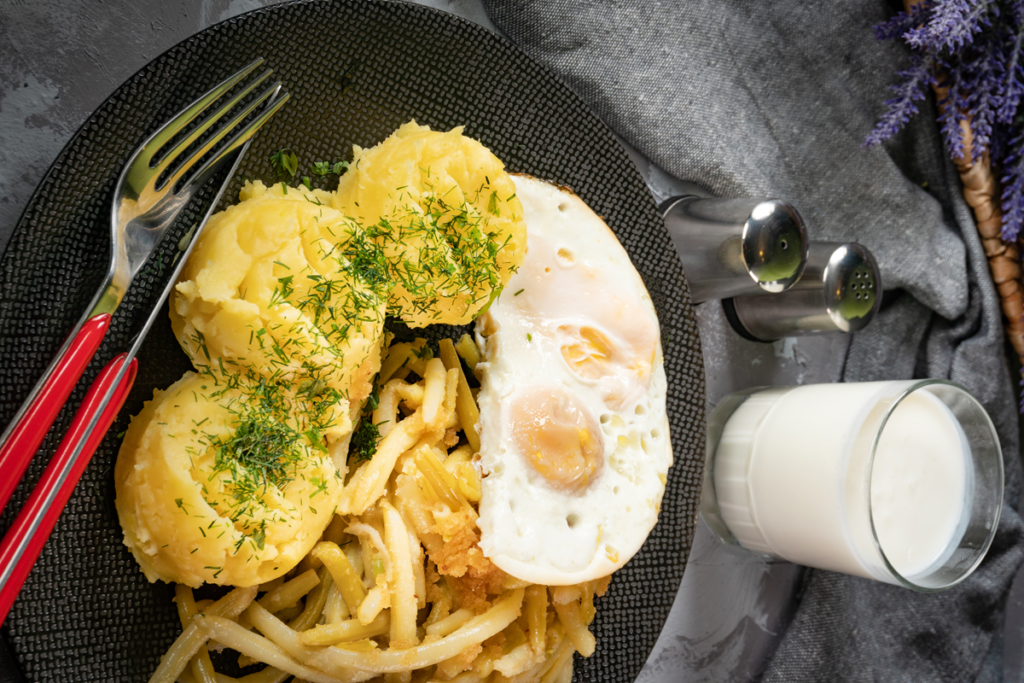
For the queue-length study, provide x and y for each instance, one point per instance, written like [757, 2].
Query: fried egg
[575, 444]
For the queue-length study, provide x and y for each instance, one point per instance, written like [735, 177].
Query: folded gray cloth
[774, 99]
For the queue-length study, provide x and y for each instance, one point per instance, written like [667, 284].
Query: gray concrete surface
[60, 60]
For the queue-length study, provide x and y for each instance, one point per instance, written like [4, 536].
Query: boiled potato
[215, 486]
[444, 211]
[285, 284]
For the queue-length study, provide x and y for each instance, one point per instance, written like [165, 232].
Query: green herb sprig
[284, 162]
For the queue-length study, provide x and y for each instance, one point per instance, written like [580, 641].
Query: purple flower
[1017, 12]
[1013, 190]
[952, 24]
[900, 108]
[979, 47]
[903, 22]
[985, 96]
[952, 110]
[1012, 86]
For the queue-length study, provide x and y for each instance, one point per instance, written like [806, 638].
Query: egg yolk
[588, 353]
[557, 436]
[592, 355]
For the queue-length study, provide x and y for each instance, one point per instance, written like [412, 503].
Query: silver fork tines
[172, 155]
[150, 192]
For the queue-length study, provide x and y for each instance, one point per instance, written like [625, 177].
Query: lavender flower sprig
[1013, 191]
[901, 23]
[978, 48]
[901, 108]
[951, 24]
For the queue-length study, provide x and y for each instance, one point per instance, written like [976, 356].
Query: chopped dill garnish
[373, 400]
[519, 292]
[261, 453]
[278, 426]
[284, 162]
[365, 439]
[321, 487]
[323, 168]
[259, 535]
[456, 246]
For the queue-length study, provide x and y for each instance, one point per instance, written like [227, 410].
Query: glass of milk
[897, 481]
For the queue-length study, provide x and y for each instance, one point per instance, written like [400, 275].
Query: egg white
[576, 276]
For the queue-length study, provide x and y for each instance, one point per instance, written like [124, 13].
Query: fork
[24, 541]
[151, 191]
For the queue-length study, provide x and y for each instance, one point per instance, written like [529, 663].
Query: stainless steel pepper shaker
[839, 291]
[736, 247]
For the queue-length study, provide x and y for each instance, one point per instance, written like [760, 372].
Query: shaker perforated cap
[840, 291]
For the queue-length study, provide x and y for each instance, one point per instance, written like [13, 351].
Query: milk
[794, 478]
[919, 484]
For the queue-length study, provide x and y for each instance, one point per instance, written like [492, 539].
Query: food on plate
[574, 433]
[398, 583]
[445, 213]
[216, 487]
[286, 285]
[379, 513]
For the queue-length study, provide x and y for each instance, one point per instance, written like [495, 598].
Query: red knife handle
[25, 540]
[42, 407]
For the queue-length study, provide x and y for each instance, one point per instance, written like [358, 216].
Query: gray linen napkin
[774, 99]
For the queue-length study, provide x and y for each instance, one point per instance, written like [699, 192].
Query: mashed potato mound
[213, 488]
[287, 285]
[445, 213]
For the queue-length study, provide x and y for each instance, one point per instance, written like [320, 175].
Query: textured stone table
[60, 60]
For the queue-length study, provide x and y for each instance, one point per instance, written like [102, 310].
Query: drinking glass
[898, 481]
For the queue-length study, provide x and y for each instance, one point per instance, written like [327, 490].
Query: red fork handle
[41, 408]
[25, 540]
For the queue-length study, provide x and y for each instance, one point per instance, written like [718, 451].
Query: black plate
[357, 70]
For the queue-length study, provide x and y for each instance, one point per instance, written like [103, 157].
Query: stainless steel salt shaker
[839, 291]
[736, 247]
